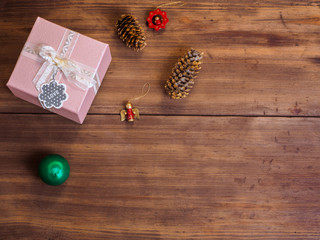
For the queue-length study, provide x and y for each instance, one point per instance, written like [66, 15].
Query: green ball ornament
[54, 169]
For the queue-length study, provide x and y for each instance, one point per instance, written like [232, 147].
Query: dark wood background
[237, 159]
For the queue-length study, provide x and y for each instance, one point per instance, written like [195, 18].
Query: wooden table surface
[237, 159]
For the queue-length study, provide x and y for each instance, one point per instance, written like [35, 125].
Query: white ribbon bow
[73, 71]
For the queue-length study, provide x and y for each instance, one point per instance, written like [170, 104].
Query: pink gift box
[93, 58]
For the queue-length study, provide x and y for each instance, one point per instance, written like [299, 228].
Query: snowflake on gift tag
[53, 94]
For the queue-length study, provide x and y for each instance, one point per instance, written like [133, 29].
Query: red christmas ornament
[157, 19]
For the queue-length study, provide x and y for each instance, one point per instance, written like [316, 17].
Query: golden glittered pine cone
[130, 32]
[181, 81]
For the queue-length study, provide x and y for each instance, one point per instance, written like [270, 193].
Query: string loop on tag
[142, 92]
[177, 4]
[55, 71]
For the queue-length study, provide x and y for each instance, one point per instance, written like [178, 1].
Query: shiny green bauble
[54, 169]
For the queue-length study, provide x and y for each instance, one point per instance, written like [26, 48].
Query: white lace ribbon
[79, 74]
[70, 69]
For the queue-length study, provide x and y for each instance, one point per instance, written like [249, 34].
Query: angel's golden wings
[136, 113]
[123, 114]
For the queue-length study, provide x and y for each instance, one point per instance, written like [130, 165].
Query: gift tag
[53, 94]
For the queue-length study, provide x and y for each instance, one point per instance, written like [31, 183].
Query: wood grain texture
[204, 178]
[261, 57]
[182, 171]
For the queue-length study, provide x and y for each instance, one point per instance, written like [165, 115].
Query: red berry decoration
[157, 19]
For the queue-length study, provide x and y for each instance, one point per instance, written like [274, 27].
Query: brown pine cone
[130, 32]
[181, 81]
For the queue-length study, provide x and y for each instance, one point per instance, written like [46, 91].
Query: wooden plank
[162, 178]
[261, 57]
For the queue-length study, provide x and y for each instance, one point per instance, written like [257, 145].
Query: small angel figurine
[129, 114]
